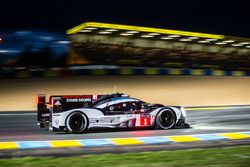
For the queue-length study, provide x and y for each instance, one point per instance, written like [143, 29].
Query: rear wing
[42, 111]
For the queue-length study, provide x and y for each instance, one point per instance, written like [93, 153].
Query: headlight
[183, 112]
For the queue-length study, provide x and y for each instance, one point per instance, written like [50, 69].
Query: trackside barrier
[71, 71]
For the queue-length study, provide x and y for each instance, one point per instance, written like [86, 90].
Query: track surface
[22, 126]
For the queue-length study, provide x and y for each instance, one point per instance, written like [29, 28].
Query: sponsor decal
[45, 115]
[57, 103]
[108, 120]
[78, 100]
[56, 98]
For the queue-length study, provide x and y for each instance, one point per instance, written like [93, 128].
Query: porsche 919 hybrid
[78, 113]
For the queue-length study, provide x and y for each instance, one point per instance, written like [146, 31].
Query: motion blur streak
[19, 94]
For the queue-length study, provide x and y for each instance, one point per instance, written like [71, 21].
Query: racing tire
[77, 122]
[165, 119]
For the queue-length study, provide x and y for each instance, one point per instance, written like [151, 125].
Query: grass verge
[227, 156]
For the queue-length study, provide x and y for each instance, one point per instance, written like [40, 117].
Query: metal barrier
[104, 70]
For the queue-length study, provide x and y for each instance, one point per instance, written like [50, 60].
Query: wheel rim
[166, 119]
[77, 123]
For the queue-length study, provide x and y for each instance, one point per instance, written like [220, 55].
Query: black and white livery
[78, 113]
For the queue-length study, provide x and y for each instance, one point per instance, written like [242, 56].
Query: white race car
[78, 113]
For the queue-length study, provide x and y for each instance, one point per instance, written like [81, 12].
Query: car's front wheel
[165, 119]
[77, 122]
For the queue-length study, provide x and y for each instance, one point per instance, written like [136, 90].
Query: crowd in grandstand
[160, 57]
[130, 55]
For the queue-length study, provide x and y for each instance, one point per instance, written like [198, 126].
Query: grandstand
[114, 44]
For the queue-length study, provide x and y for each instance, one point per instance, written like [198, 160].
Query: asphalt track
[21, 126]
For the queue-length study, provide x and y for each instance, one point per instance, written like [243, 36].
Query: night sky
[53, 17]
[220, 16]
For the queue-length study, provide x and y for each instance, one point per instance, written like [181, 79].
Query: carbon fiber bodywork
[64, 113]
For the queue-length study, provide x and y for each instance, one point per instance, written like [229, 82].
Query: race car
[78, 113]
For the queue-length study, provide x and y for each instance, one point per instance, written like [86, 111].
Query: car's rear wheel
[165, 119]
[77, 122]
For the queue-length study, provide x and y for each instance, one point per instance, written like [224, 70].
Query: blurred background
[34, 36]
